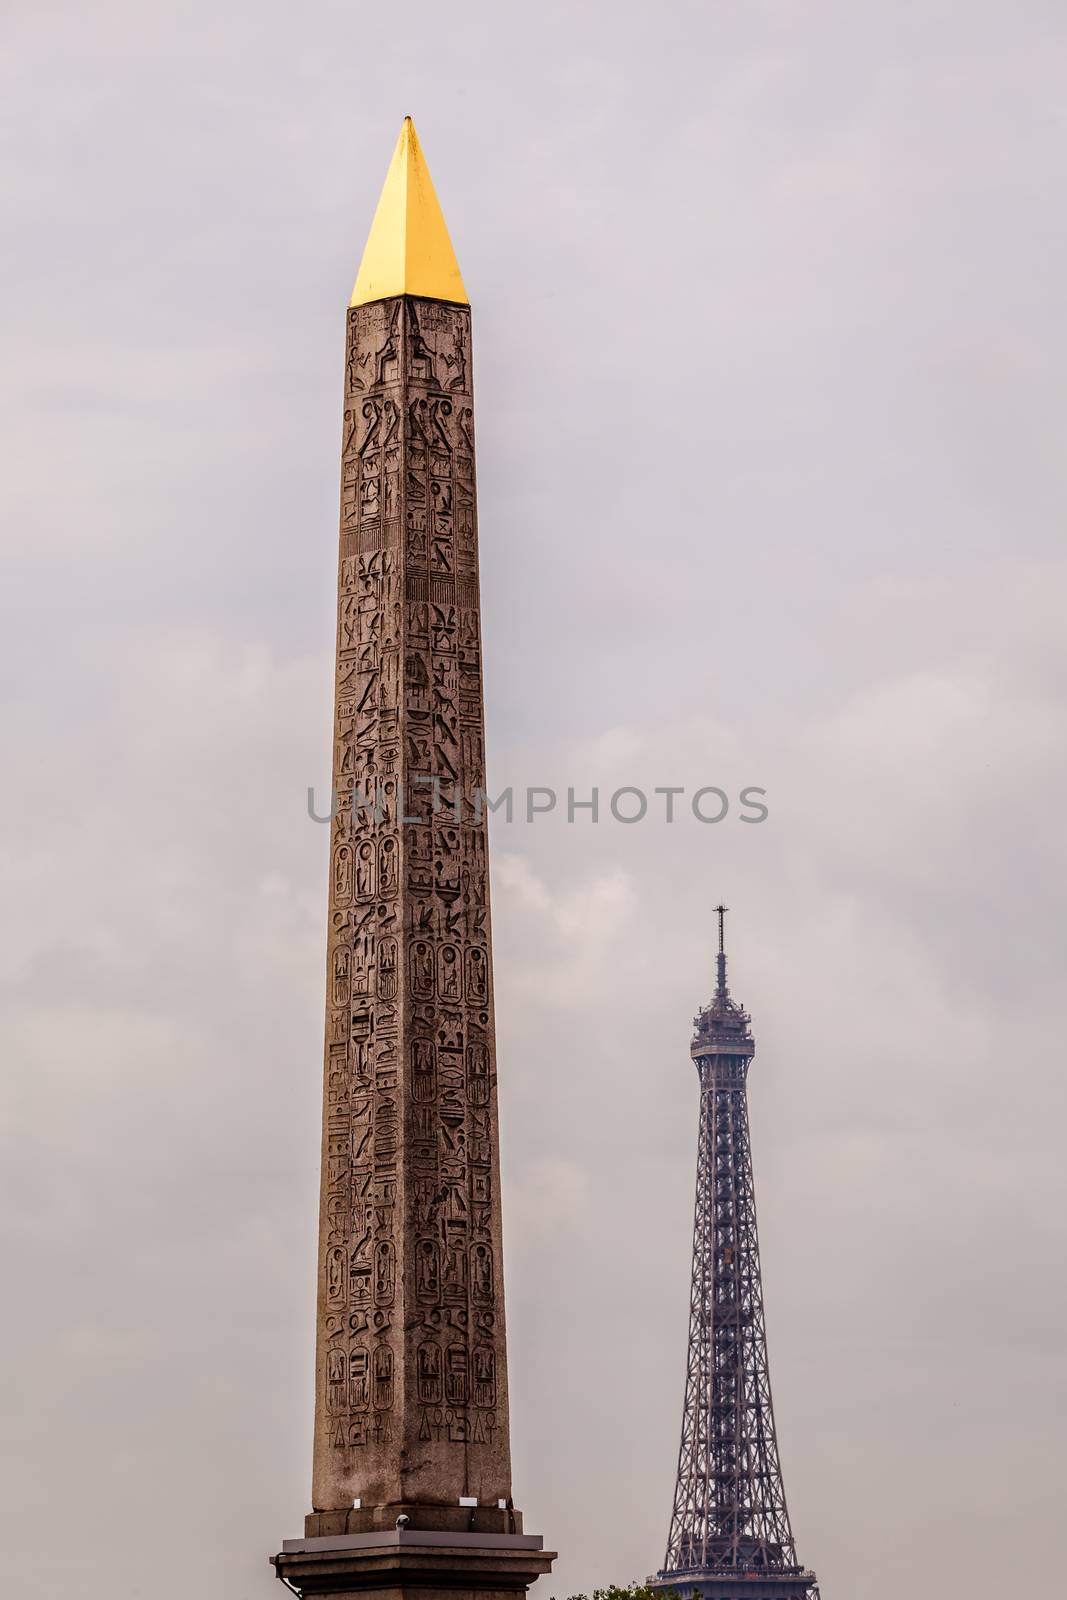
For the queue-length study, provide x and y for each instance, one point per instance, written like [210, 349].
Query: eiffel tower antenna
[721, 990]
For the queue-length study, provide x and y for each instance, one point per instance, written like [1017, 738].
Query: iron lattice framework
[730, 1532]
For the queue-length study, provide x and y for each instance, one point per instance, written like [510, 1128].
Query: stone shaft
[411, 1405]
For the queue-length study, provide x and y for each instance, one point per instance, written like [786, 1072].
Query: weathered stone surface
[411, 1405]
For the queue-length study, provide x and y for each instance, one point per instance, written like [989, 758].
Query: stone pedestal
[410, 1564]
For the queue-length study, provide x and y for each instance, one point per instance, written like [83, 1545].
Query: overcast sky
[770, 340]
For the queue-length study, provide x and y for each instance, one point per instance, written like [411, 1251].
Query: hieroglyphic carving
[409, 1261]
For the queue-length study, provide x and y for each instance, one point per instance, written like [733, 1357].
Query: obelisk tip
[408, 250]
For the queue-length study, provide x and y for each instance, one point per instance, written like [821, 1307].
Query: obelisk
[412, 1469]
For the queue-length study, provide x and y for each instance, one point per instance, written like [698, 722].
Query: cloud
[768, 333]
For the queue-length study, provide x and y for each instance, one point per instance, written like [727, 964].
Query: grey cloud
[769, 345]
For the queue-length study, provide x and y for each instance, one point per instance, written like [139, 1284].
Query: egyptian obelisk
[412, 1469]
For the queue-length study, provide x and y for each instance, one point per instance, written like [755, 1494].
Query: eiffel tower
[730, 1535]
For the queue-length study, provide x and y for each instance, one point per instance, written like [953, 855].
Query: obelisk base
[414, 1564]
[420, 1517]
